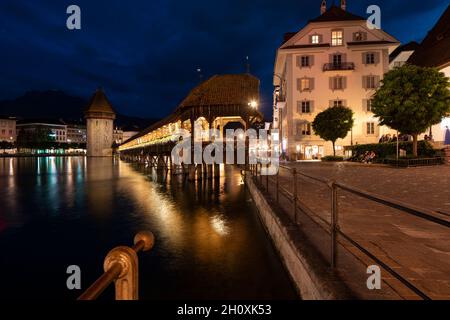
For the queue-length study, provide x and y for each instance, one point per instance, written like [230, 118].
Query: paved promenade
[417, 249]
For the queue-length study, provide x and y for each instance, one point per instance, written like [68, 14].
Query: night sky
[145, 52]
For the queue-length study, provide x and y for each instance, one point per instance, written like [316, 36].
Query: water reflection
[210, 243]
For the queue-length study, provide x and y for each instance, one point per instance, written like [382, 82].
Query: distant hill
[55, 104]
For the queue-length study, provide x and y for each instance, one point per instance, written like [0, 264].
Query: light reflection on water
[210, 243]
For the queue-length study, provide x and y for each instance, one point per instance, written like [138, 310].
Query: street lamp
[253, 104]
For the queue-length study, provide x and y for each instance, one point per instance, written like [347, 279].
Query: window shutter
[365, 105]
[364, 128]
[377, 57]
[311, 106]
[331, 58]
[311, 61]
[299, 107]
[299, 85]
[344, 83]
[364, 82]
[320, 38]
[377, 129]
[310, 39]
[311, 84]
[331, 84]
[364, 58]
[377, 81]
[299, 61]
[344, 57]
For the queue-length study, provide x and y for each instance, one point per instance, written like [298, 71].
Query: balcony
[339, 66]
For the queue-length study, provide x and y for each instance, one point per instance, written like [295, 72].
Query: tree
[333, 123]
[411, 99]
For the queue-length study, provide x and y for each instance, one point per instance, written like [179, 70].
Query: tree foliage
[333, 123]
[411, 99]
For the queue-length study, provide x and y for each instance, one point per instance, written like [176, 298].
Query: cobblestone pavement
[417, 249]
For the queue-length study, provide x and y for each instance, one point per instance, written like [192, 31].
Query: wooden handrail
[121, 266]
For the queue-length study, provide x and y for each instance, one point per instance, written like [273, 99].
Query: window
[369, 105]
[370, 58]
[371, 82]
[337, 38]
[305, 129]
[306, 107]
[315, 39]
[337, 83]
[305, 61]
[370, 128]
[359, 36]
[338, 103]
[304, 84]
[3, 131]
[337, 60]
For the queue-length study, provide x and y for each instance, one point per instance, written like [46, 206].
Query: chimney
[323, 7]
[344, 5]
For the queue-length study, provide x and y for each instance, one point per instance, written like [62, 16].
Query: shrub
[333, 158]
[386, 150]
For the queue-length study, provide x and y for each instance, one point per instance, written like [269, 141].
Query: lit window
[337, 38]
[315, 39]
[370, 128]
[305, 84]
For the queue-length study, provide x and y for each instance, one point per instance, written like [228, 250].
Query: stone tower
[99, 116]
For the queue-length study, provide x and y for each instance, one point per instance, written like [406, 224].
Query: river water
[56, 212]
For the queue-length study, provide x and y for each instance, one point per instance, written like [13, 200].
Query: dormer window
[315, 39]
[337, 38]
[359, 36]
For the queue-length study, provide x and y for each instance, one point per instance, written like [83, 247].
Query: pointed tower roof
[99, 106]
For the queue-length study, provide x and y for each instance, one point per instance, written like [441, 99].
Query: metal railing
[121, 267]
[338, 66]
[332, 227]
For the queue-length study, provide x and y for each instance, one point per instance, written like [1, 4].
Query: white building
[100, 125]
[334, 60]
[434, 51]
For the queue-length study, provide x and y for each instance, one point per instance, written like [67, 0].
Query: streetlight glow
[253, 104]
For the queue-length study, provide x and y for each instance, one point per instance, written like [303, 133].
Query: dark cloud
[145, 53]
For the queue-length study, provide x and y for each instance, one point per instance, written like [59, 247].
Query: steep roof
[99, 103]
[229, 89]
[335, 13]
[434, 51]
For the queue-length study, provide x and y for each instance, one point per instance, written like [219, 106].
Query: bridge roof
[228, 89]
[217, 91]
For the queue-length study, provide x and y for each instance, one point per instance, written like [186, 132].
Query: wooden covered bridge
[218, 102]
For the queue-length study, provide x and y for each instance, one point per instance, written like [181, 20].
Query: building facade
[8, 129]
[336, 59]
[100, 117]
[76, 133]
[55, 131]
[434, 51]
